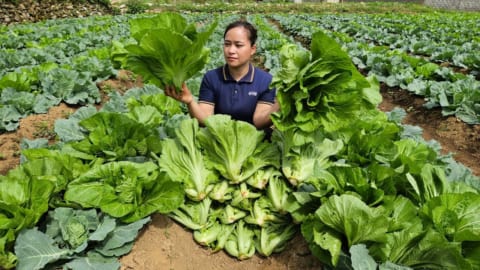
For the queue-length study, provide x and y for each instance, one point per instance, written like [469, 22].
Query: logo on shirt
[252, 93]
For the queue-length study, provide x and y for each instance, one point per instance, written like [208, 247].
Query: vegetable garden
[341, 184]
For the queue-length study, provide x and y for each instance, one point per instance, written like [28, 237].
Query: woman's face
[237, 49]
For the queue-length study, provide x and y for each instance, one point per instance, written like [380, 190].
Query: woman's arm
[261, 116]
[200, 110]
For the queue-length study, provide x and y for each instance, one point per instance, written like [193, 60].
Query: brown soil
[455, 137]
[164, 244]
[27, 11]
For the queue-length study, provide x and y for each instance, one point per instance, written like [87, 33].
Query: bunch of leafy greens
[305, 156]
[235, 190]
[141, 114]
[320, 88]
[24, 196]
[38, 88]
[57, 175]
[235, 148]
[126, 190]
[395, 233]
[182, 160]
[363, 194]
[27, 191]
[76, 239]
[113, 136]
[168, 49]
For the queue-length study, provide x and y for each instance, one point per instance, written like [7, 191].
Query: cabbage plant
[168, 50]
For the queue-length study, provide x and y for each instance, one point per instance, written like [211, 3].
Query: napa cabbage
[182, 160]
[321, 88]
[168, 50]
[126, 190]
[236, 149]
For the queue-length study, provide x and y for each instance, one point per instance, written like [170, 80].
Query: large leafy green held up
[168, 50]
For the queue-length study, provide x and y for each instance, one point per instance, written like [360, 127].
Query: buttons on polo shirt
[235, 94]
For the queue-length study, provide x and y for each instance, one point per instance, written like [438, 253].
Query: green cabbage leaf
[168, 50]
[182, 160]
[126, 190]
[235, 148]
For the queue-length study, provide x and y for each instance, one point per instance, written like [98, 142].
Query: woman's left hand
[184, 96]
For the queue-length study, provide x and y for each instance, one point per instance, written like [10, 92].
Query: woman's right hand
[184, 96]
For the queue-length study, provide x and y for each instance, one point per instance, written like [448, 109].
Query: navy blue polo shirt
[237, 99]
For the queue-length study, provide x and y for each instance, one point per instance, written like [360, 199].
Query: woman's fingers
[171, 92]
[168, 91]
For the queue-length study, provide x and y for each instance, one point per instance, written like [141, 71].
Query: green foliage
[76, 239]
[124, 138]
[24, 196]
[182, 160]
[9, 1]
[136, 6]
[168, 49]
[321, 88]
[126, 190]
[268, 7]
[358, 199]
[235, 148]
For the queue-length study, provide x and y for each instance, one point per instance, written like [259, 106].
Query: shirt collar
[247, 78]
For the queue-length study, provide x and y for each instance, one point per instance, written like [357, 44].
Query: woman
[238, 88]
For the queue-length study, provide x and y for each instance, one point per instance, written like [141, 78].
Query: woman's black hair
[252, 31]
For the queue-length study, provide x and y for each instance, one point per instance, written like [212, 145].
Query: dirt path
[455, 137]
[164, 244]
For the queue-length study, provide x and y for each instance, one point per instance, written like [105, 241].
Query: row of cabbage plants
[454, 92]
